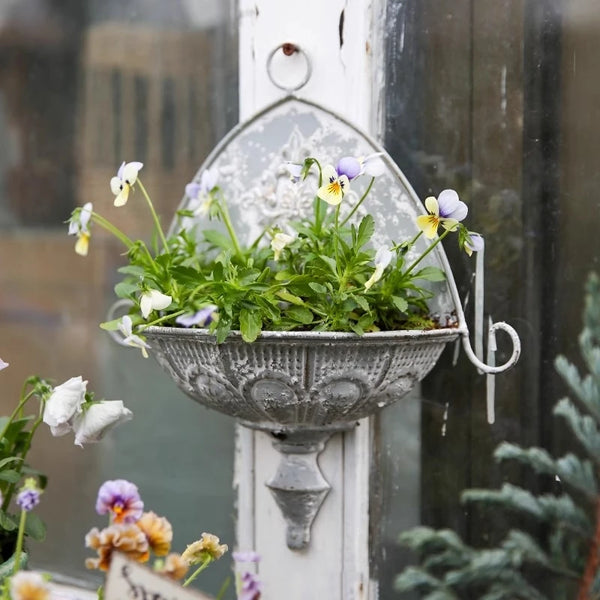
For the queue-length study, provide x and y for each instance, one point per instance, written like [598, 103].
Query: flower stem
[197, 572]
[426, 252]
[227, 222]
[362, 198]
[154, 216]
[20, 536]
[106, 224]
[161, 319]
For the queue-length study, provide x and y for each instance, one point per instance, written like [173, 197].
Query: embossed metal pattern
[309, 380]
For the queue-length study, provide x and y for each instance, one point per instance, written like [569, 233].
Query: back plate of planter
[250, 167]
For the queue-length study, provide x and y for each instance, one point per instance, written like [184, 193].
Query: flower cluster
[71, 408]
[139, 534]
[320, 273]
[66, 407]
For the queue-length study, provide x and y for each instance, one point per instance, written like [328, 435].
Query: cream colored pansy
[29, 585]
[335, 186]
[279, 242]
[130, 338]
[158, 532]
[382, 260]
[78, 225]
[447, 210]
[209, 546]
[153, 300]
[121, 184]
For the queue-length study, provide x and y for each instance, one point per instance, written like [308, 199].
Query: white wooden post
[342, 39]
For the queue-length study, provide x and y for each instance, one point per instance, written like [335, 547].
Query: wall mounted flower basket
[303, 386]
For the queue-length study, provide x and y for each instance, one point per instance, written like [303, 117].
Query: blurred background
[498, 99]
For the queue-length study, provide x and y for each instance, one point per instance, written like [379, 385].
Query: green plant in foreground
[562, 563]
[319, 273]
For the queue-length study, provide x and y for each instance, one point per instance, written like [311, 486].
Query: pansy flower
[294, 169]
[173, 566]
[126, 538]
[121, 499]
[29, 585]
[3, 364]
[382, 260]
[158, 532]
[121, 184]
[203, 317]
[250, 587]
[335, 186]
[446, 211]
[473, 243]
[97, 418]
[130, 338]
[209, 546]
[64, 404]
[153, 300]
[199, 193]
[78, 225]
[279, 242]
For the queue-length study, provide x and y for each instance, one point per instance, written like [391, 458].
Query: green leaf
[125, 289]
[134, 270]
[300, 314]
[8, 522]
[10, 475]
[7, 567]
[287, 297]
[216, 238]
[400, 303]
[250, 324]
[330, 263]
[110, 325]
[35, 527]
[365, 231]
[317, 287]
[430, 274]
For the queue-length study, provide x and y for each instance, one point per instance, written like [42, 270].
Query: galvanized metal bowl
[297, 380]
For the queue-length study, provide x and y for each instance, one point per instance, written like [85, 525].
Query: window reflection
[84, 85]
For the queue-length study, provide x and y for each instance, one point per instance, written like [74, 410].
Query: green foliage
[320, 275]
[564, 561]
[16, 436]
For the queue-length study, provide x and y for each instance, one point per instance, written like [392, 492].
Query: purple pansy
[250, 587]
[246, 557]
[121, 499]
[349, 166]
[474, 243]
[203, 317]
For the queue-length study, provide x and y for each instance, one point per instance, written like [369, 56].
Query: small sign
[129, 580]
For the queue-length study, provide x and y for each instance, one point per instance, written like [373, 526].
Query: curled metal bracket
[112, 314]
[289, 49]
[490, 369]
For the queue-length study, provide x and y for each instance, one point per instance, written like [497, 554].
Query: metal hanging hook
[289, 49]
[492, 369]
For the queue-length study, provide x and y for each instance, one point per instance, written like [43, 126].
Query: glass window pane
[84, 85]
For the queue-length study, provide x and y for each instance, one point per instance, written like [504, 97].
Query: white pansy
[153, 300]
[382, 260]
[123, 182]
[97, 418]
[64, 404]
[3, 364]
[279, 242]
[372, 165]
[129, 338]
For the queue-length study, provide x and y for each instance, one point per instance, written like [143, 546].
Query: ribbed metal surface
[306, 380]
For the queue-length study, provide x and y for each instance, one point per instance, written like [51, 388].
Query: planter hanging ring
[289, 49]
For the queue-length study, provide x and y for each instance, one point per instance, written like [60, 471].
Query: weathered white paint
[347, 79]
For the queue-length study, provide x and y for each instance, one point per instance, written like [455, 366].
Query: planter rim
[441, 334]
